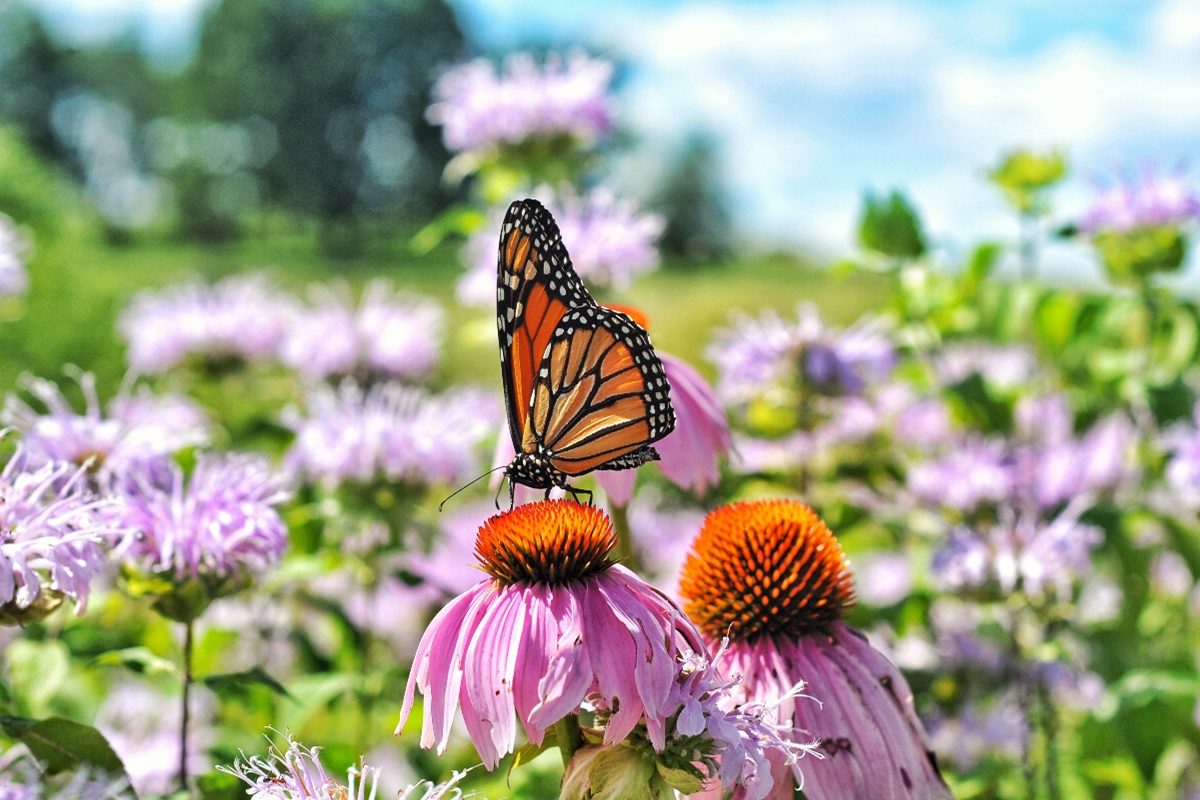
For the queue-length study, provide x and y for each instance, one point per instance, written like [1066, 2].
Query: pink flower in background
[138, 427]
[609, 240]
[14, 249]
[771, 578]
[762, 356]
[555, 621]
[389, 333]
[1148, 200]
[221, 522]
[240, 318]
[481, 107]
[391, 432]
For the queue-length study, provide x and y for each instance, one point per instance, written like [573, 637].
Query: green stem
[624, 551]
[188, 635]
[568, 736]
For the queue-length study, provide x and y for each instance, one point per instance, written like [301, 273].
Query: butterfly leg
[576, 493]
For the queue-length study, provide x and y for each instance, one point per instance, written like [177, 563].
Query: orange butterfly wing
[581, 381]
[601, 394]
[536, 286]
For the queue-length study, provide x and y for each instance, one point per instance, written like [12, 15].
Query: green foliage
[1132, 257]
[890, 227]
[62, 744]
[331, 78]
[1024, 176]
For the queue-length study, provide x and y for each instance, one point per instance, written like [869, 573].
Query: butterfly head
[534, 470]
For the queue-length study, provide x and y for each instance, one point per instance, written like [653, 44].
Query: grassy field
[80, 282]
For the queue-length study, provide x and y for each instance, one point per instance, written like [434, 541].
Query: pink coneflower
[771, 577]
[690, 455]
[554, 621]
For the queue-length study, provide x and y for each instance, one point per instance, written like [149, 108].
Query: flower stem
[568, 736]
[188, 631]
[624, 551]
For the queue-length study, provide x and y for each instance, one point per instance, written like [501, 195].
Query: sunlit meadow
[926, 526]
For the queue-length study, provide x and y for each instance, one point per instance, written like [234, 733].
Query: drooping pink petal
[614, 661]
[488, 670]
[570, 674]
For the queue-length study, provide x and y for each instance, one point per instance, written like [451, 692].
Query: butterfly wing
[600, 395]
[536, 287]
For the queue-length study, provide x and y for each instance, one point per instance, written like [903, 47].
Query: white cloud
[1080, 93]
[1175, 26]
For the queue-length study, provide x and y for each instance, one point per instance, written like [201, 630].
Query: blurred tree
[692, 201]
[343, 87]
[33, 71]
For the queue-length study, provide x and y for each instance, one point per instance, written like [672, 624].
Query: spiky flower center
[551, 542]
[762, 569]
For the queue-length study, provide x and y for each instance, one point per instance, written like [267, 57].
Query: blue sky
[813, 102]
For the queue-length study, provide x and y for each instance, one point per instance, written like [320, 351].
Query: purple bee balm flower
[219, 524]
[390, 432]
[771, 577]
[759, 357]
[1147, 201]
[480, 108]
[554, 621]
[137, 428]
[388, 334]
[1182, 472]
[610, 242]
[977, 472]
[1064, 468]
[1002, 366]
[13, 251]
[1021, 550]
[241, 318]
[52, 538]
[1001, 728]
[21, 778]
[295, 772]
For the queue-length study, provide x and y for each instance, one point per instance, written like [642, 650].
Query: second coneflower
[772, 578]
[554, 621]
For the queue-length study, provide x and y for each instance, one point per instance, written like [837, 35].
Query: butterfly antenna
[470, 483]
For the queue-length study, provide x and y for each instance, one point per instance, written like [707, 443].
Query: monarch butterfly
[583, 388]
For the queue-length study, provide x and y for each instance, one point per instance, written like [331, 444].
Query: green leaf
[138, 659]
[1024, 176]
[890, 226]
[529, 751]
[1141, 686]
[36, 671]
[980, 267]
[460, 220]
[238, 683]
[619, 772]
[685, 781]
[60, 744]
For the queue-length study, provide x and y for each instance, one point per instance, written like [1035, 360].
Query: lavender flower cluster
[479, 106]
[246, 320]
